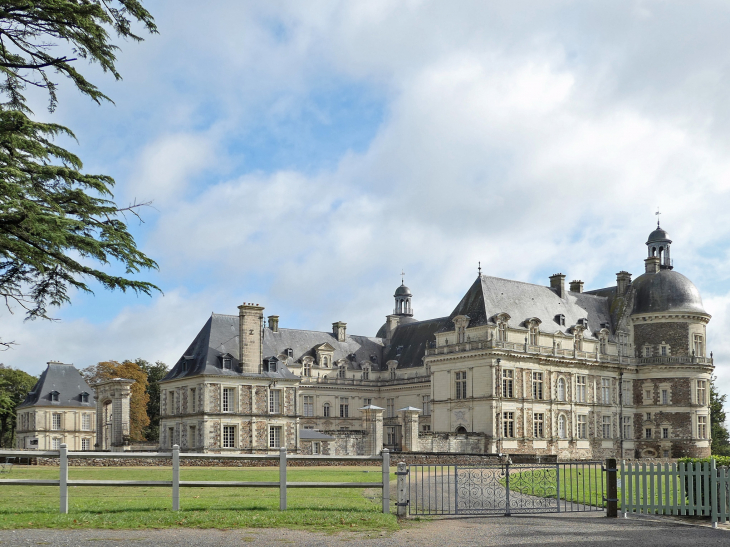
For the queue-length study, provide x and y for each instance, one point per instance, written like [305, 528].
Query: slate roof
[410, 341]
[666, 291]
[489, 296]
[314, 435]
[219, 336]
[67, 380]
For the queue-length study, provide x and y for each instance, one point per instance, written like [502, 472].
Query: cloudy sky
[300, 154]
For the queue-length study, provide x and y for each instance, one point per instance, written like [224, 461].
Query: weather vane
[657, 214]
[480, 268]
[402, 277]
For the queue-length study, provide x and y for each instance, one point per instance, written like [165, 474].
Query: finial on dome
[657, 216]
[402, 277]
[480, 268]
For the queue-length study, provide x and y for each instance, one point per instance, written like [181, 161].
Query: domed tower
[403, 301]
[667, 326]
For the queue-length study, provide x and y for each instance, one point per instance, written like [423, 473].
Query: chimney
[250, 324]
[339, 329]
[623, 280]
[576, 286]
[652, 264]
[274, 323]
[557, 282]
[391, 323]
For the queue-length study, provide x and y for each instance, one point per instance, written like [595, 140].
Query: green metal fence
[699, 489]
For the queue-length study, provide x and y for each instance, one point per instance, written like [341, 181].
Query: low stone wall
[445, 458]
[184, 462]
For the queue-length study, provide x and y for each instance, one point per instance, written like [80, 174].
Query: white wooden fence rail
[282, 484]
[676, 489]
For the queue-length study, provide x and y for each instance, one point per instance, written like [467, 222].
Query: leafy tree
[14, 386]
[57, 222]
[720, 435]
[155, 373]
[138, 419]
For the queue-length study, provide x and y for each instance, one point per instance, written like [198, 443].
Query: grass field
[143, 507]
[579, 485]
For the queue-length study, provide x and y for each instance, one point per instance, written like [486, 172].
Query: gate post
[386, 480]
[611, 489]
[282, 479]
[506, 467]
[176, 477]
[402, 503]
[63, 477]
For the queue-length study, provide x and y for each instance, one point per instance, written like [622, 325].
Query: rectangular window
[664, 351]
[275, 401]
[606, 427]
[537, 384]
[326, 410]
[701, 392]
[228, 396]
[56, 422]
[192, 437]
[86, 422]
[508, 424]
[367, 401]
[647, 433]
[390, 407]
[366, 374]
[648, 415]
[229, 436]
[426, 427]
[665, 396]
[648, 397]
[308, 405]
[582, 426]
[699, 347]
[665, 432]
[627, 427]
[426, 403]
[606, 391]
[344, 407]
[171, 400]
[580, 394]
[192, 399]
[626, 391]
[55, 443]
[508, 383]
[702, 427]
[538, 422]
[171, 435]
[316, 448]
[461, 385]
[275, 437]
[85, 444]
[502, 335]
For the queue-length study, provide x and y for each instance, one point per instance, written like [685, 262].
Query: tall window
[228, 396]
[326, 410]
[537, 385]
[316, 448]
[665, 432]
[342, 371]
[562, 429]
[461, 385]
[627, 427]
[561, 389]
[538, 425]
[86, 444]
[508, 424]
[702, 427]
[56, 443]
[56, 421]
[229, 436]
[193, 392]
[191, 436]
[579, 340]
[390, 407]
[701, 392]
[85, 422]
[508, 383]
[582, 426]
[275, 401]
[647, 432]
[392, 373]
[699, 347]
[344, 407]
[325, 361]
[171, 435]
[275, 437]
[366, 373]
[606, 427]
[171, 398]
[665, 396]
[307, 371]
[227, 363]
[534, 335]
[603, 343]
[502, 332]
[55, 396]
[606, 391]
[426, 403]
[580, 392]
[308, 405]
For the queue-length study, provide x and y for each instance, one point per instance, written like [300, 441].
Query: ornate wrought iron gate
[505, 489]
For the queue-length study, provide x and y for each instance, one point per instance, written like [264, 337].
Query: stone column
[372, 422]
[410, 429]
[113, 430]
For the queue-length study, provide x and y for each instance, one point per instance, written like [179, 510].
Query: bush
[720, 461]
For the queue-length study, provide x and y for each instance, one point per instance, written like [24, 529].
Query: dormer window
[579, 339]
[325, 361]
[560, 319]
[289, 353]
[583, 323]
[184, 366]
[84, 397]
[342, 372]
[227, 363]
[307, 368]
[270, 364]
[399, 350]
[374, 359]
[366, 373]
[55, 395]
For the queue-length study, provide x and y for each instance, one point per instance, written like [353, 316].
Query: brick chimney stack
[274, 323]
[623, 280]
[339, 330]
[251, 322]
[576, 286]
[557, 282]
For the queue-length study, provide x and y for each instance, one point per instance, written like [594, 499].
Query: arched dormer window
[578, 343]
[603, 341]
[342, 371]
[307, 368]
[326, 361]
[460, 323]
[366, 373]
[533, 326]
[561, 389]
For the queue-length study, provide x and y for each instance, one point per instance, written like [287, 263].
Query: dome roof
[666, 291]
[658, 235]
[403, 291]
[404, 320]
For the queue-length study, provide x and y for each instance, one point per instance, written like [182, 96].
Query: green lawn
[576, 485]
[142, 507]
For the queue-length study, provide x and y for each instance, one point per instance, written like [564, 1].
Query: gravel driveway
[545, 530]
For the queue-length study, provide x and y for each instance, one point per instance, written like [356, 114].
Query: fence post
[63, 478]
[402, 504]
[282, 479]
[386, 480]
[714, 503]
[176, 477]
[611, 488]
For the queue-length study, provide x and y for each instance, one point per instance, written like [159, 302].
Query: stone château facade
[514, 368]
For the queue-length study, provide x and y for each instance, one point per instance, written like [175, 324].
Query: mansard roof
[490, 296]
[220, 333]
[67, 381]
[409, 342]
